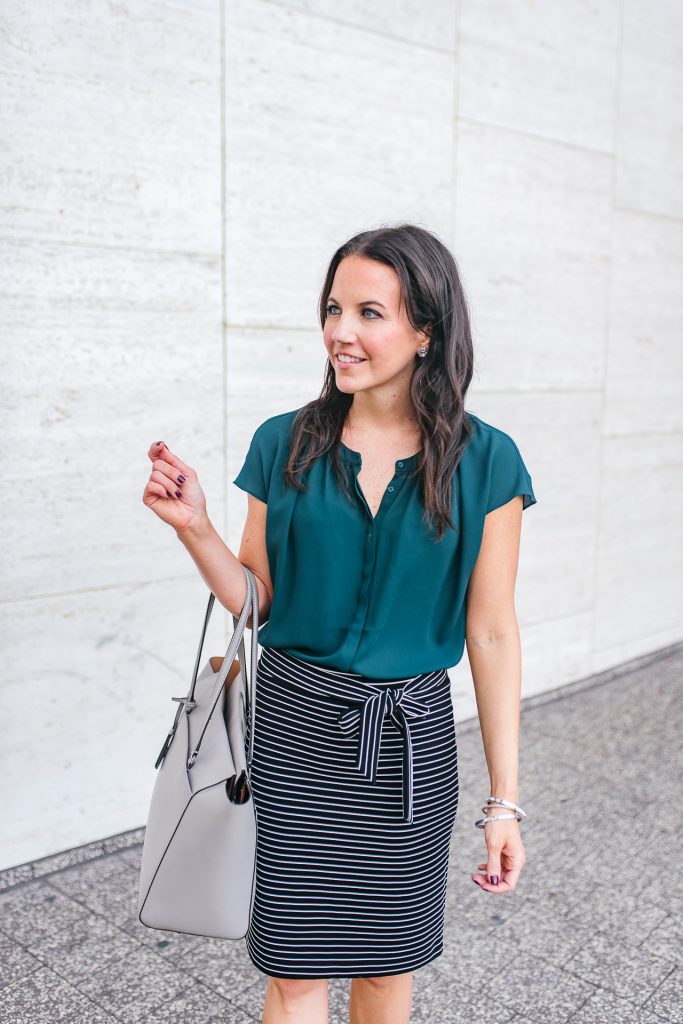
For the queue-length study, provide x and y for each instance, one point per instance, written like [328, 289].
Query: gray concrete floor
[592, 933]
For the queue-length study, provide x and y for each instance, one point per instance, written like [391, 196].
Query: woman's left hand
[506, 857]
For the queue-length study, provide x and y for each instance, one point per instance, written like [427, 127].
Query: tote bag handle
[188, 703]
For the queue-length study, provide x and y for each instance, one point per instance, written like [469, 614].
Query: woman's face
[363, 319]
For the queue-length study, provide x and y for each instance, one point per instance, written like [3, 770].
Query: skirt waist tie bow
[402, 707]
[364, 709]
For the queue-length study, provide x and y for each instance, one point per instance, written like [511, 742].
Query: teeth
[348, 359]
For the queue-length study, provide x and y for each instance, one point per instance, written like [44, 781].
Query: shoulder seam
[275, 418]
[493, 429]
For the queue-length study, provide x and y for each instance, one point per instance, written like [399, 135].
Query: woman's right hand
[173, 490]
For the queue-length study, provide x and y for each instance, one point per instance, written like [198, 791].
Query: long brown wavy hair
[432, 294]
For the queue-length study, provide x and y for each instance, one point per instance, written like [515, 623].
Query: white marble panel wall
[330, 128]
[568, 222]
[175, 180]
[110, 245]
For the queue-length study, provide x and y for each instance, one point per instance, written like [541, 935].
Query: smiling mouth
[348, 362]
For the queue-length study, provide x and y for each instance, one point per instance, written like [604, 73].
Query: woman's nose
[344, 332]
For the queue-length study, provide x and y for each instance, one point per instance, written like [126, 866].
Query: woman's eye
[328, 310]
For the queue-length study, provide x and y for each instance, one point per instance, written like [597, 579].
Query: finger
[483, 883]
[160, 449]
[156, 449]
[154, 491]
[169, 472]
[173, 489]
[510, 877]
[493, 863]
[494, 871]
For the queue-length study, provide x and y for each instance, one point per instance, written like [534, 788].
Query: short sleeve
[508, 476]
[256, 468]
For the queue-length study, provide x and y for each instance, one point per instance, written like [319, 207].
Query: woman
[383, 528]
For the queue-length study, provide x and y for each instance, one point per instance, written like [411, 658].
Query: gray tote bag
[199, 853]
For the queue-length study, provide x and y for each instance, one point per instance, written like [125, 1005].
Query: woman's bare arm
[493, 647]
[222, 571]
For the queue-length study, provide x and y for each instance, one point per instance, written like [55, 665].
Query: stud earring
[422, 351]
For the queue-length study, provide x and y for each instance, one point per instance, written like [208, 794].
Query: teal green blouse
[376, 596]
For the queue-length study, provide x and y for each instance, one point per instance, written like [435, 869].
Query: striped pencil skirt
[355, 787]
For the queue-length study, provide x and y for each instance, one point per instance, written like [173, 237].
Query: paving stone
[556, 937]
[200, 1005]
[133, 857]
[489, 910]
[221, 964]
[604, 1007]
[662, 891]
[45, 998]
[124, 841]
[667, 999]
[660, 852]
[631, 853]
[10, 877]
[107, 885]
[453, 988]
[470, 957]
[134, 986]
[535, 988]
[60, 932]
[566, 895]
[67, 858]
[666, 940]
[35, 906]
[628, 971]
[172, 946]
[561, 851]
[339, 994]
[617, 909]
[452, 1001]
[15, 962]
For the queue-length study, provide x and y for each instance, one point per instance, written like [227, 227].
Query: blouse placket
[402, 467]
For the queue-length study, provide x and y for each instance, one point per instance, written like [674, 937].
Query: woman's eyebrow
[368, 302]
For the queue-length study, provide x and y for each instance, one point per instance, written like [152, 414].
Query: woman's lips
[348, 366]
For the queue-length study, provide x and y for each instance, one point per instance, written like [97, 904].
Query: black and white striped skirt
[355, 785]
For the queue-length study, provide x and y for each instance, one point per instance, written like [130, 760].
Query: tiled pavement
[593, 933]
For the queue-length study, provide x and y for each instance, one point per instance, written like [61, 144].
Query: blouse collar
[403, 465]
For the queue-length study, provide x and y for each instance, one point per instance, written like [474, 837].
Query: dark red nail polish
[178, 494]
[494, 879]
[181, 478]
[168, 494]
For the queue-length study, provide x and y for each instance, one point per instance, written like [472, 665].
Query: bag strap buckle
[188, 702]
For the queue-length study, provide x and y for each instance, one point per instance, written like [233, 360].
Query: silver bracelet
[518, 815]
[495, 817]
[505, 803]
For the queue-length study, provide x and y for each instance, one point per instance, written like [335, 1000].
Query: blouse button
[399, 463]
[390, 487]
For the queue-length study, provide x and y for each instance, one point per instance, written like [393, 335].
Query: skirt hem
[341, 972]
